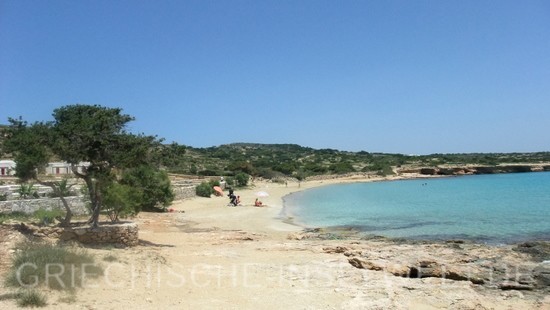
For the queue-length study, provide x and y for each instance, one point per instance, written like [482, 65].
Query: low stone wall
[125, 234]
[78, 206]
[184, 192]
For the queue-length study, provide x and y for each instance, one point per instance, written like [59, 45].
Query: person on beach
[257, 203]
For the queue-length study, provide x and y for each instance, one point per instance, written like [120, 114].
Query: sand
[206, 255]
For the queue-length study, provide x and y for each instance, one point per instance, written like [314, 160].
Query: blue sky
[413, 77]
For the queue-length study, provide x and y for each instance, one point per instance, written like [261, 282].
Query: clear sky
[412, 77]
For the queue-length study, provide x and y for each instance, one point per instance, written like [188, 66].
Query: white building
[7, 167]
[58, 168]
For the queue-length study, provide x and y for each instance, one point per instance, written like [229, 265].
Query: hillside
[275, 160]
[292, 160]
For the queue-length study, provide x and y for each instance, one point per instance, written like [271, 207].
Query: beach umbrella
[262, 194]
[218, 190]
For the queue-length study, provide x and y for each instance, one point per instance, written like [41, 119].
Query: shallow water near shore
[502, 208]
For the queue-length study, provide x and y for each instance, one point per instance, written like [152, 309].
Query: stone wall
[184, 192]
[125, 234]
[78, 206]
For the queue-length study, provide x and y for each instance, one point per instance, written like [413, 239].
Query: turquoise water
[502, 208]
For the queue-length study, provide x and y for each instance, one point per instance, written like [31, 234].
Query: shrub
[242, 179]
[342, 167]
[31, 298]
[204, 189]
[64, 189]
[208, 172]
[53, 266]
[386, 170]
[47, 217]
[214, 182]
[20, 216]
[154, 185]
[27, 191]
[121, 200]
[230, 181]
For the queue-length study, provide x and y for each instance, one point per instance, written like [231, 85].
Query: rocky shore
[245, 257]
[466, 170]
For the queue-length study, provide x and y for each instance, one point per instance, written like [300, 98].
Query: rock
[511, 285]
[541, 275]
[428, 171]
[352, 253]
[539, 250]
[363, 264]
[338, 249]
[67, 235]
[398, 270]
[295, 237]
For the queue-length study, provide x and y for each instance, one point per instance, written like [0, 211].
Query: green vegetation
[206, 188]
[31, 298]
[56, 267]
[120, 200]
[129, 173]
[63, 189]
[275, 161]
[95, 135]
[41, 216]
[152, 185]
[242, 179]
[47, 217]
[26, 191]
[17, 216]
[42, 265]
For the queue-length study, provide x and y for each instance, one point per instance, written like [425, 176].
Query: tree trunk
[93, 191]
[68, 212]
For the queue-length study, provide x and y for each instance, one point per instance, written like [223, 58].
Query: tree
[29, 144]
[153, 184]
[85, 133]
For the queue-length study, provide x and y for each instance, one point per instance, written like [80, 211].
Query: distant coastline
[352, 232]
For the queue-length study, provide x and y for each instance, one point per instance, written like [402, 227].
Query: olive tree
[30, 147]
[80, 133]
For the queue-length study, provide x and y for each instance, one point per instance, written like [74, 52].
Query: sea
[492, 209]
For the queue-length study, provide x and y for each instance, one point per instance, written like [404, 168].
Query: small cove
[495, 209]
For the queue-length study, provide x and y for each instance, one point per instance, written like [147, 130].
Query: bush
[342, 168]
[19, 216]
[121, 200]
[154, 185]
[26, 191]
[208, 172]
[387, 170]
[31, 298]
[204, 189]
[47, 217]
[214, 182]
[64, 189]
[230, 181]
[242, 179]
[56, 267]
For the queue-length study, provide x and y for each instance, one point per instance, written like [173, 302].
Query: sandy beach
[206, 255]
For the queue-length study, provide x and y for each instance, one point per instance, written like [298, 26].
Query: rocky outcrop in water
[445, 171]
